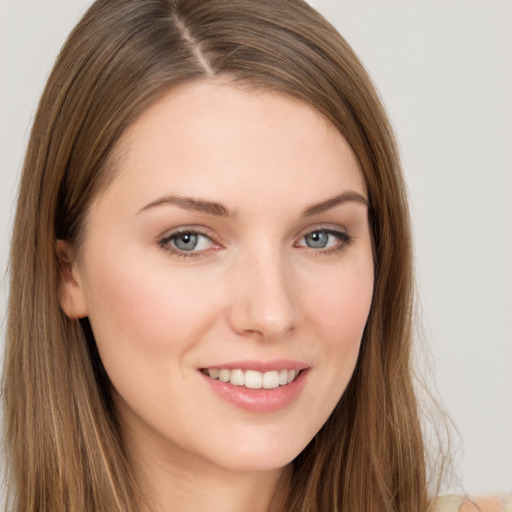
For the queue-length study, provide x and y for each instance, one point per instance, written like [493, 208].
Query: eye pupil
[186, 241]
[317, 239]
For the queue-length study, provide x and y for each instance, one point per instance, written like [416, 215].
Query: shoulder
[454, 503]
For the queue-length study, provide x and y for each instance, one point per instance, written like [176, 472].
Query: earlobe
[71, 293]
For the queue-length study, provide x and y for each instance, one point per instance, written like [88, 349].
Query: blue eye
[184, 242]
[324, 239]
[317, 239]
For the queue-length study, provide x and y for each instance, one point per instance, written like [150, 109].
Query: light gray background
[444, 70]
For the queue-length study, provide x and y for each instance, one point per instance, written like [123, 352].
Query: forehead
[216, 139]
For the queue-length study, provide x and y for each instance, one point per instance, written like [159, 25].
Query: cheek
[339, 312]
[342, 302]
[139, 312]
[337, 308]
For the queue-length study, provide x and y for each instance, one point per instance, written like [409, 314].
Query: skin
[252, 290]
[485, 504]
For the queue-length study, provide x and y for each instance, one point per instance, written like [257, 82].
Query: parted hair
[63, 447]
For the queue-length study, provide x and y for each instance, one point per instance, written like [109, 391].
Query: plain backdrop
[444, 71]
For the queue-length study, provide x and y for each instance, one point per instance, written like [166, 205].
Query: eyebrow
[219, 210]
[190, 203]
[346, 197]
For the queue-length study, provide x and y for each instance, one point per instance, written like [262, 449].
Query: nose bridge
[263, 300]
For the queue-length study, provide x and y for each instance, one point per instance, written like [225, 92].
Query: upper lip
[261, 366]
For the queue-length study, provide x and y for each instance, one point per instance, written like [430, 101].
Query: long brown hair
[63, 446]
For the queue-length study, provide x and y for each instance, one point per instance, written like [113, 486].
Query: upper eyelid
[330, 228]
[334, 232]
[169, 234]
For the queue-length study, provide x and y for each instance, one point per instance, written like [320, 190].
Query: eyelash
[344, 240]
[165, 243]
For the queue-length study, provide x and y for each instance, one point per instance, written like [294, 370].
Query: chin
[256, 456]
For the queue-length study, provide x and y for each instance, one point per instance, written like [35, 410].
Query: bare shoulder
[454, 503]
[501, 503]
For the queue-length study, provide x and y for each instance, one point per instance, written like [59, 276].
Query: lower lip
[259, 400]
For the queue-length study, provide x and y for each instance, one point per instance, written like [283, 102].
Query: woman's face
[230, 255]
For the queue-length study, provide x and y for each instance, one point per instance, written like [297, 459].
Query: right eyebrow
[191, 203]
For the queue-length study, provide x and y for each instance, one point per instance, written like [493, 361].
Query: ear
[71, 293]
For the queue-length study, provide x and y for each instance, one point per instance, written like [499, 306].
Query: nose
[263, 298]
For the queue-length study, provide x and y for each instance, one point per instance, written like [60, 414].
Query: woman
[215, 307]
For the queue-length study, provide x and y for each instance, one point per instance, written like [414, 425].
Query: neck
[171, 487]
[173, 480]
[211, 491]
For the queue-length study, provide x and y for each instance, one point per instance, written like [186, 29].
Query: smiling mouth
[253, 379]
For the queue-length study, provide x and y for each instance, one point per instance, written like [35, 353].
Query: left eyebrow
[346, 197]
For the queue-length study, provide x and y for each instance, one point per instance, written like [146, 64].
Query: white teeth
[224, 375]
[237, 377]
[253, 379]
[213, 373]
[271, 380]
